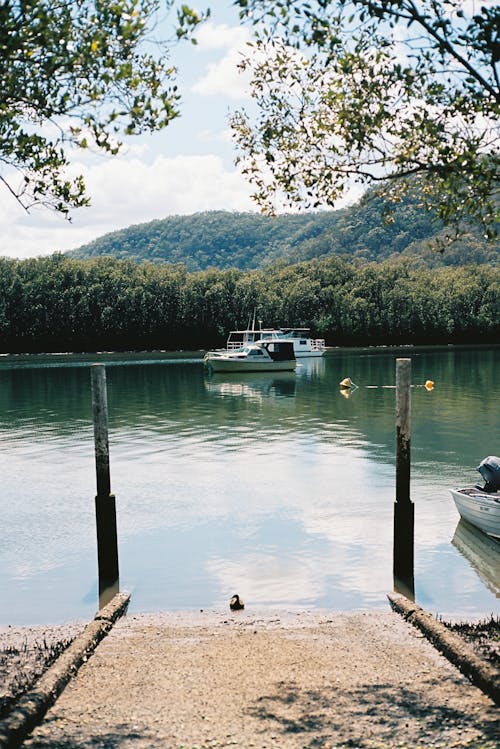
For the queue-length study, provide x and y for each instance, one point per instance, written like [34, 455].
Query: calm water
[272, 485]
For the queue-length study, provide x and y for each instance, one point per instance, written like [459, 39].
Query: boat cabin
[240, 338]
[278, 350]
[303, 344]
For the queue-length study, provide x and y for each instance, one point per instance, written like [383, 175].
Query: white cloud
[126, 191]
[222, 77]
[221, 36]
[182, 184]
[216, 136]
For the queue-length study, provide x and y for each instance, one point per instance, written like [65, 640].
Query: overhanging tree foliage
[78, 73]
[374, 91]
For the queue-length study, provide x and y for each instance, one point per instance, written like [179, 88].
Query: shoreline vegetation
[25, 655]
[483, 635]
[58, 303]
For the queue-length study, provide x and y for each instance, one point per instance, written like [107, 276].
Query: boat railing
[317, 344]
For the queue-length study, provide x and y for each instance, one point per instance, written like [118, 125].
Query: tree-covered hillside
[221, 239]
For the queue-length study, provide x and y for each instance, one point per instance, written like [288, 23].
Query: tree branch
[13, 193]
[445, 44]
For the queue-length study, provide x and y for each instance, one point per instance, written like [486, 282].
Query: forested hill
[222, 239]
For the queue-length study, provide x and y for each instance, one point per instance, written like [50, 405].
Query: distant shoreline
[150, 356]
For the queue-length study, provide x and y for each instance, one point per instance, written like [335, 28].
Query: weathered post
[403, 551]
[105, 506]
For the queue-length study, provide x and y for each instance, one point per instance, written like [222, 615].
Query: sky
[186, 168]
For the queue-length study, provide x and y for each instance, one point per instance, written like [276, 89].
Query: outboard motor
[489, 468]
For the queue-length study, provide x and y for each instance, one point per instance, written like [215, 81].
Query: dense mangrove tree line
[59, 303]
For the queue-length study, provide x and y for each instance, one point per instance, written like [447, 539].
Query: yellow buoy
[346, 383]
[429, 385]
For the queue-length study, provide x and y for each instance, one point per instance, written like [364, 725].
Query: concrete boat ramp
[269, 680]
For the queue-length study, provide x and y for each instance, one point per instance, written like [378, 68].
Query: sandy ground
[288, 681]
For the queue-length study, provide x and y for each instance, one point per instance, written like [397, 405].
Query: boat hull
[223, 364]
[479, 508]
[308, 354]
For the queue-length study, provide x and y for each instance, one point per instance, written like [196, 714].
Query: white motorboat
[303, 343]
[263, 356]
[480, 508]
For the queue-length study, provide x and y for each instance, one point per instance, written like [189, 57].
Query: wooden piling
[403, 429]
[403, 551]
[105, 504]
[100, 414]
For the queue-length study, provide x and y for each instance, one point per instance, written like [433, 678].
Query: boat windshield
[296, 332]
[250, 351]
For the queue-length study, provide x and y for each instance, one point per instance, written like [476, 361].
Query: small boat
[478, 505]
[303, 343]
[480, 508]
[268, 355]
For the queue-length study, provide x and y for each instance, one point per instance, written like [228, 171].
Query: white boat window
[255, 352]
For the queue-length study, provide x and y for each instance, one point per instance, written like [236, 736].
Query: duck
[236, 604]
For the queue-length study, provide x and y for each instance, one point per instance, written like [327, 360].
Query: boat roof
[281, 329]
[257, 330]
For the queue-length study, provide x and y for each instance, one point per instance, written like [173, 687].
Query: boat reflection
[482, 552]
[310, 368]
[252, 386]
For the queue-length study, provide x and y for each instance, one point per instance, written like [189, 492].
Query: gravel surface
[284, 681]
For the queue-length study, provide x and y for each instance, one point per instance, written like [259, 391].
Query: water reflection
[482, 552]
[252, 386]
[273, 485]
[311, 368]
